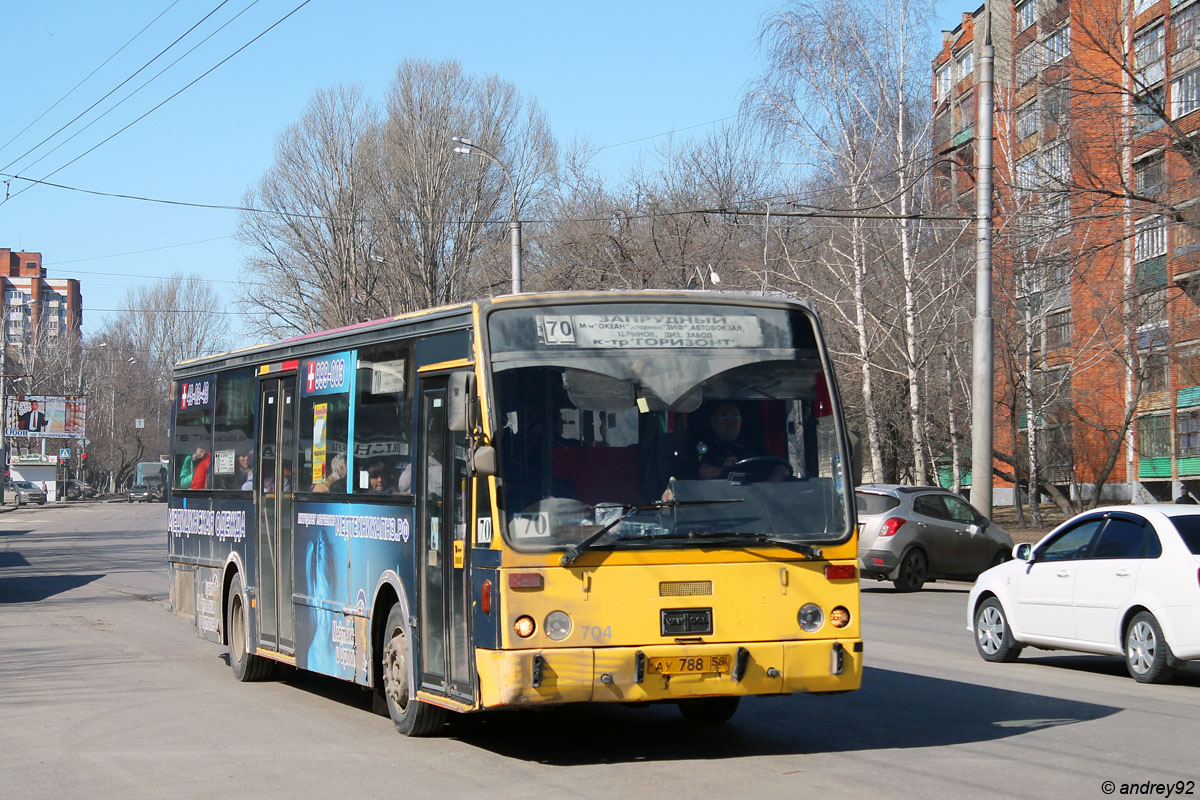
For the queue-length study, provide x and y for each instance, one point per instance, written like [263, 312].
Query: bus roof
[458, 316]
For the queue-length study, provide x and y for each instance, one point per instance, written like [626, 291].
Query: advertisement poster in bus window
[326, 375]
[341, 550]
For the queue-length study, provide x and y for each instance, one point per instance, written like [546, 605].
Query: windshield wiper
[809, 550]
[569, 557]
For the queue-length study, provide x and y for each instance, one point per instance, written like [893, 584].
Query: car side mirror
[1023, 552]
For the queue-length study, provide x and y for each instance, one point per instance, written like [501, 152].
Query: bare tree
[312, 246]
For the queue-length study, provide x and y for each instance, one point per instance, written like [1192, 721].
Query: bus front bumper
[629, 674]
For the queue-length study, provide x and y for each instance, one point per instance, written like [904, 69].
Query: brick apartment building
[33, 305]
[1096, 254]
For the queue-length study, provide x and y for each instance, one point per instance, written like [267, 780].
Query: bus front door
[442, 549]
[273, 499]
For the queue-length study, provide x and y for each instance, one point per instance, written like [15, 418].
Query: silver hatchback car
[913, 534]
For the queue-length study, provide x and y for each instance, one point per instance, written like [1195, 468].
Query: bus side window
[383, 422]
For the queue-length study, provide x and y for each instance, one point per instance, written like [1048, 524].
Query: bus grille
[684, 588]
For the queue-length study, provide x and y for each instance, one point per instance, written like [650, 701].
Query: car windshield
[725, 412]
[26, 485]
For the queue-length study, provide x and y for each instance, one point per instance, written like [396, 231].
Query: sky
[622, 75]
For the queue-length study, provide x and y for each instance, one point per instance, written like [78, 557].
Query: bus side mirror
[483, 460]
[855, 457]
[459, 391]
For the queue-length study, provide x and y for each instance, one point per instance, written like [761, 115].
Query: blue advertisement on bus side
[341, 550]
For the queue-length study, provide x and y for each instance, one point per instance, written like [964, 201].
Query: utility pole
[468, 148]
[983, 378]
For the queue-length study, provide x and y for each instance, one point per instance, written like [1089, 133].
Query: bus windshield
[694, 425]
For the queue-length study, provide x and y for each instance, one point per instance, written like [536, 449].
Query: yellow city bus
[528, 500]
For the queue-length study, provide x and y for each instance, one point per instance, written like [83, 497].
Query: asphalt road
[104, 693]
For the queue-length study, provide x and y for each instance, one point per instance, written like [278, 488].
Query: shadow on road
[35, 588]
[16, 532]
[894, 710]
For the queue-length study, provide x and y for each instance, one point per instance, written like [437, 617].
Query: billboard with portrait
[51, 417]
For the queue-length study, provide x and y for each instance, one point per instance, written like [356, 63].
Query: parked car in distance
[140, 493]
[1120, 581]
[24, 492]
[77, 490]
[914, 534]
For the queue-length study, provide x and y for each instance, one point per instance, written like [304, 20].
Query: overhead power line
[85, 79]
[171, 97]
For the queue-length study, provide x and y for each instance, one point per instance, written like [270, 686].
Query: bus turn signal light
[839, 617]
[524, 626]
[485, 597]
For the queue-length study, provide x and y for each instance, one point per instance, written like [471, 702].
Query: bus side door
[445, 662]
[273, 488]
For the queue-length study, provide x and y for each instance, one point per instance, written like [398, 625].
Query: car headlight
[558, 625]
[811, 617]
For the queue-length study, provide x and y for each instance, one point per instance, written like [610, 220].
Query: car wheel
[1147, 654]
[410, 716]
[246, 666]
[913, 571]
[709, 710]
[993, 637]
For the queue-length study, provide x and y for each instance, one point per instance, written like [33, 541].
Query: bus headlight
[557, 625]
[811, 617]
[524, 626]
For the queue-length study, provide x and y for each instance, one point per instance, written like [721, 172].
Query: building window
[1029, 64]
[1025, 13]
[1149, 239]
[1026, 176]
[1188, 363]
[1183, 23]
[1149, 176]
[1058, 329]
[1056, 104]
[1154, 436]
[965, 64]
[1155, 371]
[943, 83]
[1027, 120]
[1058, 44]
[1058, 213]
[1141, 5]
[1185, 94]
[1056, 165]
[1148, 47]
[1187, 432]
[1148, 110]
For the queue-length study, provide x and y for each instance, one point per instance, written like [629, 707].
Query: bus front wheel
[709, 710]
[246, 666]
[410, 716]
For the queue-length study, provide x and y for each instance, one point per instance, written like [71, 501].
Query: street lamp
[469, 148]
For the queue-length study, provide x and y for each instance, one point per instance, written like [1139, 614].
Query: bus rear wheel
[410, 716]
[709, 710]
[246, 666]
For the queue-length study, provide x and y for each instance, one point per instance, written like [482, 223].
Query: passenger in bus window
[200, 464]
[335, 481]
[244, 479]
[379, 479]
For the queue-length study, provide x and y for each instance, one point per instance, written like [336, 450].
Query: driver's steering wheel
[760, 468]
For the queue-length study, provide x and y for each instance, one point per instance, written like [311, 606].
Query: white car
[1120, 580]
